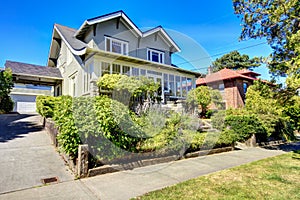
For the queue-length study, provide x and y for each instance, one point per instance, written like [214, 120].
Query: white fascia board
[35, 76]
[81, 27]
[109, 17]
[76, 52]
[150, 32]
[163, 32]
[131, 24]
[170, 39]
[49, 54]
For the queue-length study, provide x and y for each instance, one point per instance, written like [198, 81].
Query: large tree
[234, 60]
[279, 22]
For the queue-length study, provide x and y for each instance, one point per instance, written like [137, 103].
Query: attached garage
[32, 76]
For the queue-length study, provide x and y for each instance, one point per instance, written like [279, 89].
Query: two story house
[113, 44]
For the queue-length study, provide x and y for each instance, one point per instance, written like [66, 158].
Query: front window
[116, 68]
[105, 68]
[126, 70]
[116, 46]
[135, 71]
[221, 87]
[156, 56]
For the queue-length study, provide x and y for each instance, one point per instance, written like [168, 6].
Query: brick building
[232, 85]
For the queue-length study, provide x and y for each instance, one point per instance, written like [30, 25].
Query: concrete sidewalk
[132, 183]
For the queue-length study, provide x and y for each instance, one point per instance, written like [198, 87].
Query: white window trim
[116, 40]
[161, 55]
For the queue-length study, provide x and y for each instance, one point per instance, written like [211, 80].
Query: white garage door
[26, 107]
[24, 103]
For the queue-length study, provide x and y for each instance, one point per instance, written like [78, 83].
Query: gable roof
[120, 14]
[67, 34]
[225, 74]
[19, 68]
[87, 23]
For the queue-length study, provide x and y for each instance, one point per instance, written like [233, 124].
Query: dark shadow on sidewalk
[11, 128]
[294, 146]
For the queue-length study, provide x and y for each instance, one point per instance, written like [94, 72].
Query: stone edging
[271, 143]
[142, 163]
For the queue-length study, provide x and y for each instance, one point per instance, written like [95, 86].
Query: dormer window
[156, 56]
[116, 46]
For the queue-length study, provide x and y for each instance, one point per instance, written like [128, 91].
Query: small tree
[6, 84]
[200, 96]
[260, 101]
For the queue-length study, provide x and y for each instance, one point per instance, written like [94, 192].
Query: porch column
[94, 89]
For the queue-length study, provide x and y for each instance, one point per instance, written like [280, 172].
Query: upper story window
[156, 56]
[116, 46]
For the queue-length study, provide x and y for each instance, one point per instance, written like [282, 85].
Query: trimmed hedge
[45, 105]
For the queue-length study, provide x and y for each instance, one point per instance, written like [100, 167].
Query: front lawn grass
[272, 178]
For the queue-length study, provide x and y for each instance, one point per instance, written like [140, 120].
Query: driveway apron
[26, 154]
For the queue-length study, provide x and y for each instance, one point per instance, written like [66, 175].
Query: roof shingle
[224, 74]
[19, 68]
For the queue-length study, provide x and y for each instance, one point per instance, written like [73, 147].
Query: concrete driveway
[26, 154]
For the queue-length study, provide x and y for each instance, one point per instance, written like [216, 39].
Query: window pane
[126, 70]
[143, 72]
[178, 86]
[155, 57]
[107, 44]
[97, 69]
[172, 85]
[184, 85]
[245, 87]
[105, 68]
[116, 69]
[221, 87]
[189, 84]
[116, 47]
[135, 71]
[125, 49]
[166, 83]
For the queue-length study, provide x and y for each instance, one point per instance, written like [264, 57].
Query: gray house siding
[137, 47]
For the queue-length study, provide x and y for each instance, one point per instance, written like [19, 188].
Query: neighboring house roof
[25, 69]
[225, 74]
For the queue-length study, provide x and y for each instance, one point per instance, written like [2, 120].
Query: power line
[219, 54]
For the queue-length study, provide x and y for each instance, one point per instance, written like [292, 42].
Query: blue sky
[205, 28]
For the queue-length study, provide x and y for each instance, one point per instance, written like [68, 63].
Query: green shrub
[237, 125]
[176, 135]
[68, 137]
[6, 104]
[45, 105]
[107, 126]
